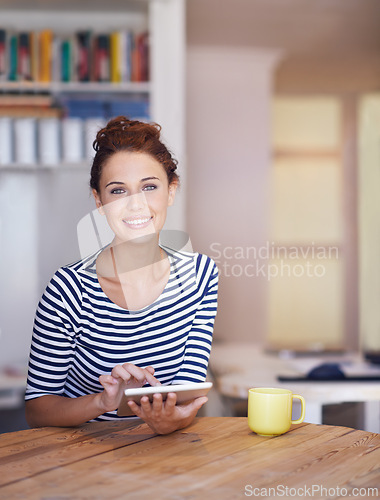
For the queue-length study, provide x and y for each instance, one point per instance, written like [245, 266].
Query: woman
[132, 314]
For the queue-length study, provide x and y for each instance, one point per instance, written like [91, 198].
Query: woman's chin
[138, 238]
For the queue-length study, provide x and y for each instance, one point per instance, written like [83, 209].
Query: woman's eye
[151, 187]
[117, 191]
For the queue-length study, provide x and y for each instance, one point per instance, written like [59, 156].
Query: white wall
[39, 213]
[229, 94]
[18, 264]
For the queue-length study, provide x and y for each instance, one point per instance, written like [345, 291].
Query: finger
[140, 374]
[135, 408]
[150, 379]
[145, 405]
[150, 369]
[192, 407]
[119, 371]
[199, 402]
[107, 380]
[157, 403]
[171, 401]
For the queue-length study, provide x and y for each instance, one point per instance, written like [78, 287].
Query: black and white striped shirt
[80, 334]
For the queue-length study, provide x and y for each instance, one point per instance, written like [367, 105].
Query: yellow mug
[270, 410]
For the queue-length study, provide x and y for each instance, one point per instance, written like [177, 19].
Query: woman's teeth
[136, 222]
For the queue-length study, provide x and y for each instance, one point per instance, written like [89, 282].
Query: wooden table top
[213, 458]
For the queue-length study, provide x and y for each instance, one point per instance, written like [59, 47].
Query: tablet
[185, 392]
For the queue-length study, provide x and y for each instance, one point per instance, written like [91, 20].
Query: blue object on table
[326, 371]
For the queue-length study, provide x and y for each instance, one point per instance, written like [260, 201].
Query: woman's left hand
[164, 417]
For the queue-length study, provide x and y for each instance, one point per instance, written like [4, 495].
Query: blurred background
[272, 108]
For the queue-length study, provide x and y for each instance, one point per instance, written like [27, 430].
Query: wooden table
[238, 367]
[216, 458]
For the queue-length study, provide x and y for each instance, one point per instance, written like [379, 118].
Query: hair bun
[123, 134]
[117, 127]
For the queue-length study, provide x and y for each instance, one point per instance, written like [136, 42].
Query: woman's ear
[172, 190]
[98, 202]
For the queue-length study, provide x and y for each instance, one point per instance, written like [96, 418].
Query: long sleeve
[198, 346]
[53, 340]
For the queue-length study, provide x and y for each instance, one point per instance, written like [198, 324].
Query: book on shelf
[29, 105]
[101, 58]
[48, 135]
[56, 66]
[132, 108]
[44, 56]
[115, 57]
[142, 58]
[16, 100]
[72, 140]
[25, 146]
[83, 108]
[34, 43]
[106, 108]
[12, 59]
[23, 59]
[124, 62]
[5, 141]
[3, 55]
[139, 58]
[84, 56]
[66, 56]
[30, 112]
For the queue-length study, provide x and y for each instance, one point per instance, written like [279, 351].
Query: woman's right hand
[126, 376]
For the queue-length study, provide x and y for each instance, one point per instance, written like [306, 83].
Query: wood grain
[51, 447]
[213, 458]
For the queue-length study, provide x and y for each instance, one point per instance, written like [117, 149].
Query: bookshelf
[55, 88]
[162, 19]
[41, 205]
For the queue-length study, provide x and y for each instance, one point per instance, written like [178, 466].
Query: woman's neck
[135, 258]
[133, 275]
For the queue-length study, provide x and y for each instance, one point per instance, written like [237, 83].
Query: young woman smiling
[134, 313]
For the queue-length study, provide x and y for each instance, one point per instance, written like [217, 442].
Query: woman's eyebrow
[149, 179]
[115, 182]
[142, 180]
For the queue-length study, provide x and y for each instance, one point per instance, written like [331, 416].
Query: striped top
[80, 334]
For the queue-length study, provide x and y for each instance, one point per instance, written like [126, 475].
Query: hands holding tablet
[166, 416]
[162, 415]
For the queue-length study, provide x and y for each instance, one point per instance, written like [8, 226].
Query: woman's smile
[138, 222]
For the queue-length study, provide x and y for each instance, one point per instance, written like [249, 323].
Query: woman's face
[134, 194]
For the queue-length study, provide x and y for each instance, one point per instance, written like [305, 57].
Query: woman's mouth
[138, 222]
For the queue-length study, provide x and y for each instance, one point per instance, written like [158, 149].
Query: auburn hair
[122, 134]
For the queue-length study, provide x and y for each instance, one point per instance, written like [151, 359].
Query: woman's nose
[136, 202]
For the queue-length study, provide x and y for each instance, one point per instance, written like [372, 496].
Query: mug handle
[303, 408]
